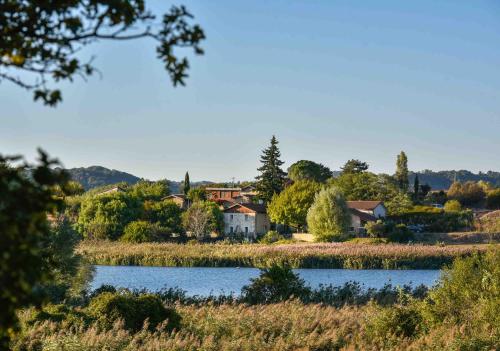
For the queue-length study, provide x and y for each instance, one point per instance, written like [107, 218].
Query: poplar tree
[271, 179]
[187, 186]
[402, 171]
[416, 187]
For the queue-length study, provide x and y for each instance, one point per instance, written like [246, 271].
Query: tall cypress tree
[416, 187]
[402, 171]
[187, 186]
[271, 179]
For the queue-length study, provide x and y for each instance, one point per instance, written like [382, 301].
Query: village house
[115, 189]
[248, 219]
[179, 199]
[374, 208]
[363, 212]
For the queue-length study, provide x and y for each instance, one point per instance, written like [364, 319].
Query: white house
[374, 208]
[249, 219]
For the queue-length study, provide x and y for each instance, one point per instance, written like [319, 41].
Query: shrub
[400, 234]
[452, 206]
[375, 229]
[277, 283]
[493, 199]
[468, 292]
[328, 218]
[436, 221]
[401, 320]
[271, 237]
[139, 232]
[108, 307]
[468, 193]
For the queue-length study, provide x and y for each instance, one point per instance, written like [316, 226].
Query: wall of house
[240, 221]
[355, 221]
[379, 211]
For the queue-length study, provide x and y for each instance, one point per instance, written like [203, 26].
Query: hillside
[96, 176]
[442, 180]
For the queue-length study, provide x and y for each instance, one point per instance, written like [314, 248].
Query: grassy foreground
[327, 255]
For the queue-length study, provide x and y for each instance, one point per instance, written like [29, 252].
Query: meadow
[296, 255]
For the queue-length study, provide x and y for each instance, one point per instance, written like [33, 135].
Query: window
[246, 230]
[230, 217]
[231, 230]
[246, 217]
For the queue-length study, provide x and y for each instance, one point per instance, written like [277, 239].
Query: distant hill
[96, 176]
[443, 179]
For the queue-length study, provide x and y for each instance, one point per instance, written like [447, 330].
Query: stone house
[248, 219]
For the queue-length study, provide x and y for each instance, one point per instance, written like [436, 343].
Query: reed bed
[277, 327]
[303, 255]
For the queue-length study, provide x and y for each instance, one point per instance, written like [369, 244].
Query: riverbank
[300, 255]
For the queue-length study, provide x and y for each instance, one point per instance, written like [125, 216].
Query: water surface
[204, 281]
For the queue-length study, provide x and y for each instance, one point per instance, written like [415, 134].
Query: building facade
[250, 219]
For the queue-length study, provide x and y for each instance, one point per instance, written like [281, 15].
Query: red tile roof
[257, 208]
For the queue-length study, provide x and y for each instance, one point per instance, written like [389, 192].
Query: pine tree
[187, 186]
[402, 171]
[416, 187]
[271, 179]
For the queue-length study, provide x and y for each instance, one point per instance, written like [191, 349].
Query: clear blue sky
[333, 80]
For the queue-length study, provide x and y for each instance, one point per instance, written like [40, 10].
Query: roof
[223, 189]
[363, 215]
[182, 196]
[364, 205]
[257, 208]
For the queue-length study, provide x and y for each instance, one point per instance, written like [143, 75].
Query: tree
[166, 214]
[197, 194]
[399, 204]
[203, 218]
[329, 218]
[416, 188]
[275, 284]
[354, 166]
[186, 185]
[468, 193]
[26, 199]
[452, 206]
[493, 199]
[40, 40]
[309, 170]
[291, 205]
[147, 190]
[402, 171]
[271, 179]
[366, 186]
[105, 216]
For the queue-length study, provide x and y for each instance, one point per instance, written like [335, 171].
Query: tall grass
[334, 255]
[283, 326]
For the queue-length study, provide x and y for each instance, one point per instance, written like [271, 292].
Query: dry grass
[334, 255]
[283, 326]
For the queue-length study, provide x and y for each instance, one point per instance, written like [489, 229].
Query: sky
[333, 80]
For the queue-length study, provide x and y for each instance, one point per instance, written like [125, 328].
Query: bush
[493, 199]
[275, 284]
[436, 221]
[468, 293]
[271, 237]
[108, 307]
[452, 206]
[401, 320]
[400, 234]
[139, 232]
[375, 229]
